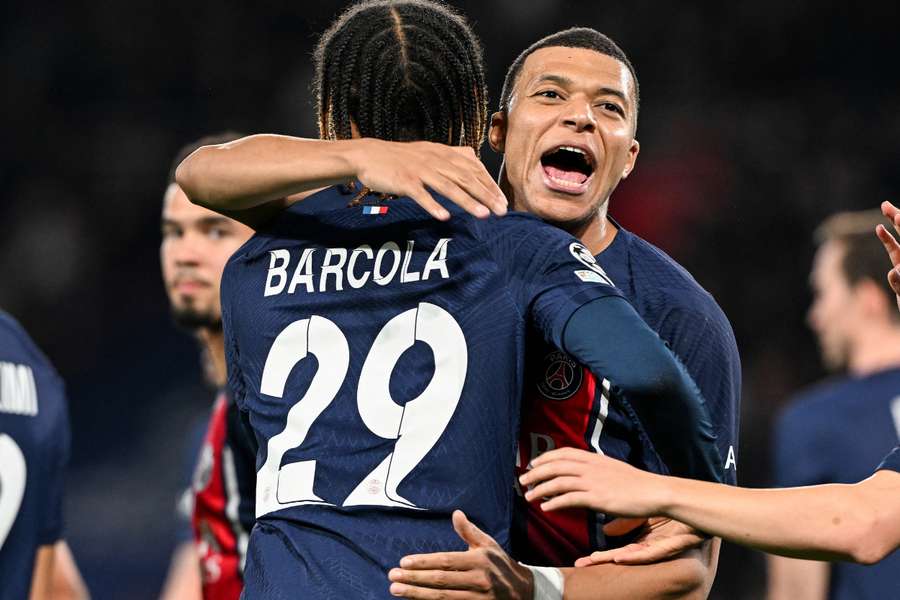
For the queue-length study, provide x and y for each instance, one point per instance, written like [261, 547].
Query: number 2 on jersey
[12, 483]
[416, 426]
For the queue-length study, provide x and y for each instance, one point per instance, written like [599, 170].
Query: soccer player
[196, 243]
[839, 430]
[325, 525]
[857, 522]
[263, 167]
[34, 450]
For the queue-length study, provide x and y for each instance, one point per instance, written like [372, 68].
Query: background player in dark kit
[837, 431]
[231, 177]
[278, 273]
[196, 244]
[34, 450]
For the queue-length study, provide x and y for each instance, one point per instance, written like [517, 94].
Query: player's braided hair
[401, 70]
[576, 37]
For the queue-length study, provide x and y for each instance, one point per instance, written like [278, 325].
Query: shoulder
[17, 346]
[814, 407]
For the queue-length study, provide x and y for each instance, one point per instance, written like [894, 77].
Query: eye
[612, 107]
[170, 233]
[551, 94]
[217, 233]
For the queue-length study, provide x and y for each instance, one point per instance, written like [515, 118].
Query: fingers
[441, 580]
[890, 244]
[469, 532]
[556, 486]
[571, 500]
[457, 194]
[618, 527]
[657, 550]
[598, 558]
[549, 471]
[421, 197]
[440, 561]
[894, 281]
[403, 590]
[891, 212]
[573, 454]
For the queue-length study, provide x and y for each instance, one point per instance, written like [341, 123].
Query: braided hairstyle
[401, 70]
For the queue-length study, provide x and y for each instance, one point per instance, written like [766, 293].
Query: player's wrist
[547, 582]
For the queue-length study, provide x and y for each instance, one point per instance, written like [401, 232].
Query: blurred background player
[196, 244]
[838, 431]
[34, 451]
[254, 170]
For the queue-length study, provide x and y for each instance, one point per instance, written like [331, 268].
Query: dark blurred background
[758, 119]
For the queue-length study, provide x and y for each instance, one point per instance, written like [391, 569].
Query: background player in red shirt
[196, 244]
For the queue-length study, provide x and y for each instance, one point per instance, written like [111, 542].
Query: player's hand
[570, 478]
[663, 539]
[483, 572]
[890, 244]
[412, 168]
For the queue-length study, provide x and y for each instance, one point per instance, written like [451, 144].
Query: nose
[185, 250]
[579, 116]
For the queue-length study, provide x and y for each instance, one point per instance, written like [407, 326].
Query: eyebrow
[564, 81]
[202, 222]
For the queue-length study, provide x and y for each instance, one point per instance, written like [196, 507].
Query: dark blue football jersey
[838, 432]
[379, 354]
[34, 448]
[891, 462]
[565, 405]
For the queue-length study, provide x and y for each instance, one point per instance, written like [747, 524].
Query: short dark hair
[402, 70]
[209, 140]
[864, 257]
[576, 37]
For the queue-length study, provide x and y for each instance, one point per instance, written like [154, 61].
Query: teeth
[573, 149]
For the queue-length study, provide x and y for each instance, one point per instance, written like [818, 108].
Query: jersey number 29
[416, 426]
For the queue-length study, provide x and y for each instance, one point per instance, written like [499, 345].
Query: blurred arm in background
[56, 576]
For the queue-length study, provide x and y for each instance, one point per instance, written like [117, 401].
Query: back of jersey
[34, 444]
[379, 355]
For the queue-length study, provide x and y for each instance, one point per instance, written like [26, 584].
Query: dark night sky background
[758, 120]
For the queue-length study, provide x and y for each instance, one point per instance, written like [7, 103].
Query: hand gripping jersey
[223, 507]
[565, 405]
[891, 462]
[34, 449]
[837, 432]
[379, 355]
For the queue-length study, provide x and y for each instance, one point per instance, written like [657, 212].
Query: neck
[596, 232]
[877, 349]
[213, 345]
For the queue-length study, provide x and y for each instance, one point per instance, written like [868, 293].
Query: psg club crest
[562, 376]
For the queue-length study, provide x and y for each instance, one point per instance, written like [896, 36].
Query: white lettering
[354, 281]
[394, 249]
[303, 273]
[333, 269]
[438, 260]
[18, 392]
[277, 272]
[405, 275]
[731, 461]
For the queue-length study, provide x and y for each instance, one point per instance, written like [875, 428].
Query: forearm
[261, 168]
[825, 522]
[686, 577]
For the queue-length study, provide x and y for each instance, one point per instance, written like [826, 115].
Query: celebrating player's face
[568, 137]
[196, 244]
[832, 315]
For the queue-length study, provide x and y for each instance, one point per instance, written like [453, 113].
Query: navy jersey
[838, 432]
[565, 405]
[34, 447]
[891, 462]
[379, 354]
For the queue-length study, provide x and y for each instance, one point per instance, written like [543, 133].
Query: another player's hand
[408, 168]
[483, 572]
[890, 245]
[663, 539]
[570, 478]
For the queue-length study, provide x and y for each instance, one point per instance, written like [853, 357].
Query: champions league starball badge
[562, 376]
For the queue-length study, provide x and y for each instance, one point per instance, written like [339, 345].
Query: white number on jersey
[416, 426]
[12, 483]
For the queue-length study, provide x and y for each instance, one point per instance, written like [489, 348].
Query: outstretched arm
[859, 522]
[261, 169]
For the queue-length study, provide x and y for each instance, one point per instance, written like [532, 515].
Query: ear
[497, 132]
[874, 299]
[632, 158]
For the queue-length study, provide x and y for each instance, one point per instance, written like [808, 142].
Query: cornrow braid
[401, 70]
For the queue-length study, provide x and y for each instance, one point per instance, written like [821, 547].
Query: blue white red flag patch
[375, 210]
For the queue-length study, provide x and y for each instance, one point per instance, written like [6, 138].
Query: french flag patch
[375, 210]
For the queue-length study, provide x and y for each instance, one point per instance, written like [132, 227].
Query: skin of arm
[56, 575]
[795, 579]
[183, 579]
[858, 522]
[264, 169]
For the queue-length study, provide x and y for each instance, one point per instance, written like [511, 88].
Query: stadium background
[757, 121]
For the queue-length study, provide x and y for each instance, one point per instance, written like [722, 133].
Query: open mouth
[567, 167]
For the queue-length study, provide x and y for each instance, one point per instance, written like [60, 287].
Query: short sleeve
[234, 377]
[703, 340]
[550, 273]
[892, 462]
[52, 393]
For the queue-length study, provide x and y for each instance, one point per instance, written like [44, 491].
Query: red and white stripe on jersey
[562, 408]
[221, 540]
